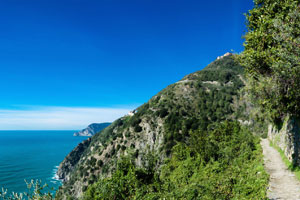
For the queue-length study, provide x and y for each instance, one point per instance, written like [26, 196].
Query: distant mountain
[92, 129]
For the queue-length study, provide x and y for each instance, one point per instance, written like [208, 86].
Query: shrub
[163, 112]
[123, 148]
[271, 57]
[138, 128]
[100, 163]
[222, 163]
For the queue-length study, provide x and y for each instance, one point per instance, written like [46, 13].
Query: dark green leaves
[271, 57]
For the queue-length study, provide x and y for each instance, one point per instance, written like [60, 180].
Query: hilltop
[197, 101]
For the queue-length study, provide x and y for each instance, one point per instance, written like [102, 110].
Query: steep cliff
[71, 160]
[192, 103]
[92, 129]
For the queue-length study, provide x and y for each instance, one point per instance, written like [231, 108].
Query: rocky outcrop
[287, 138]
[71, 160]
[92, 129]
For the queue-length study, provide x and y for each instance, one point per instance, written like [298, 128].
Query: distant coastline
[92, 129]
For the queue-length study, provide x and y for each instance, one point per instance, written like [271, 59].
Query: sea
[33, 155]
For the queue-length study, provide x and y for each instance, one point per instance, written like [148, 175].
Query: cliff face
[71, 160]
[287, 138]
[194, 102]
[92, 129]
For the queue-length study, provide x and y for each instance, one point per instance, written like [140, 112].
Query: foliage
[201, 98]
[222, 163]
[36, 191]
[216, 87]
[127, 182]
[272, 56]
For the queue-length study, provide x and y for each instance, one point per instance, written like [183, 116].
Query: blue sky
[96, 55]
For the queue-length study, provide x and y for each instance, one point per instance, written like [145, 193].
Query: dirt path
[283, 183]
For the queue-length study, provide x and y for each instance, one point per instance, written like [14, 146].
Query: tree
[272, 56]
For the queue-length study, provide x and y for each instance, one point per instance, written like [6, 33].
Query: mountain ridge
[194, 102]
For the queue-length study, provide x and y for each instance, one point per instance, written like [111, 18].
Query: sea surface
[27, 155]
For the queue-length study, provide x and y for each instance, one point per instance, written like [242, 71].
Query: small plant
[36, 191]
[100, 163]
[123, 148]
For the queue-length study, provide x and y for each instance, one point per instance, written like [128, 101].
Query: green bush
[123, 147]
[138, 128]
[100, 163]
[224, 162]
[271, 57]
[163, 112]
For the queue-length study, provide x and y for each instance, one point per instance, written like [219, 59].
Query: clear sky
[94, 60]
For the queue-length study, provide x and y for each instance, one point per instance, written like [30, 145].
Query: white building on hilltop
[226, 54]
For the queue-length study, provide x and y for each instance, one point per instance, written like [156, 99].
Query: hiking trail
[283, 184]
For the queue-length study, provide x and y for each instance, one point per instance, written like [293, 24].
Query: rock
[287, 138]
[92, 129]
[71, 160]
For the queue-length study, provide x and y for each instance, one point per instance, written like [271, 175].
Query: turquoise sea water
[33, 155]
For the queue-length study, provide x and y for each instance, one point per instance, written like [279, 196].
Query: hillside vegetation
[222, 163]
[148, 141]
[272, 64]
[193, 139]
[189, 141]
[271, 58]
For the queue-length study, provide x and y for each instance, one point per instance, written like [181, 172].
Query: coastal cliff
[92, 129]
[71, 160]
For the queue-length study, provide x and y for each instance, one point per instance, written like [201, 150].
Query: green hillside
[196, 139]
[145, 145]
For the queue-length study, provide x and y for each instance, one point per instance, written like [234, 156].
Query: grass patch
[292, 167]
